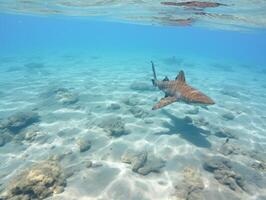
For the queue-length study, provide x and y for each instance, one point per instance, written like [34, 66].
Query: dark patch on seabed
[187, 130]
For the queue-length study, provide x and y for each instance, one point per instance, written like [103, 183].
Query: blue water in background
[86, 78]
[22, 34]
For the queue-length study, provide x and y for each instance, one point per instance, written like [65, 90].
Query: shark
[178, 91]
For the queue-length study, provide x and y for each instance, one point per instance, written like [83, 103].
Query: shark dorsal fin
[166, 79]
[181, 77]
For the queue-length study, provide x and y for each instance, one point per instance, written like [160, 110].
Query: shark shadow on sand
[187, 130]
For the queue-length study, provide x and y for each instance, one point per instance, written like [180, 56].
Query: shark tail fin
[153, 82]
[154, 74]
[181, 77]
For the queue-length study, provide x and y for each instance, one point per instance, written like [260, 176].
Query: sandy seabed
[88, 119]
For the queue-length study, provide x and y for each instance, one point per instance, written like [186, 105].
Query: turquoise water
[76, 118]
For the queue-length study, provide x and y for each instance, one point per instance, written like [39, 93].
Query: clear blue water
[21, 34]
[89, 82]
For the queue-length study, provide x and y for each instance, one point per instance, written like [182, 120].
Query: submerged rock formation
[142, 162]
[227, 148]
[115, 126]
[18, 127]
[18, 121]
[139, 112]
[131, 101]
[191, 187]
[228, 116]
[65, 96]
[84, 144]
[39, 182]
[60, 95]
[224, 173]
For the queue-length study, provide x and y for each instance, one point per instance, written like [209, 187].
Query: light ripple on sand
[180, 152]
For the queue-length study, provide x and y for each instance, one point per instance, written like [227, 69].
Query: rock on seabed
[224, 174]
[115, 126]
[39, 182]
[19, 120]
[142, 162]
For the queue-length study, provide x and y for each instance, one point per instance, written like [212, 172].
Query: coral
[40, 181]
[142, 162]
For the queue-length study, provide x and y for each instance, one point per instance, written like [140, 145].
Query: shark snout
[210, 102]
[206, 100]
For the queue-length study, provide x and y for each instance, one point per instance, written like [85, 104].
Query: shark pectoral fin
[164, 102]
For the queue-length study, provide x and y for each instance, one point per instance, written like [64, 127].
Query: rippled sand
[95, 119]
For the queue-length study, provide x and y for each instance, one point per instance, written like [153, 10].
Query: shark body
[178, 90]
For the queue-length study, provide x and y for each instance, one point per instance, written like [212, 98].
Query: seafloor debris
[115, 126]
[224, 174]
[18, 121]
[142, 162]
[191, 186]
[142, 86]
[194, 4]
[39, 182]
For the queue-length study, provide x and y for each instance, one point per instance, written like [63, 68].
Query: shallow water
[83, 89]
